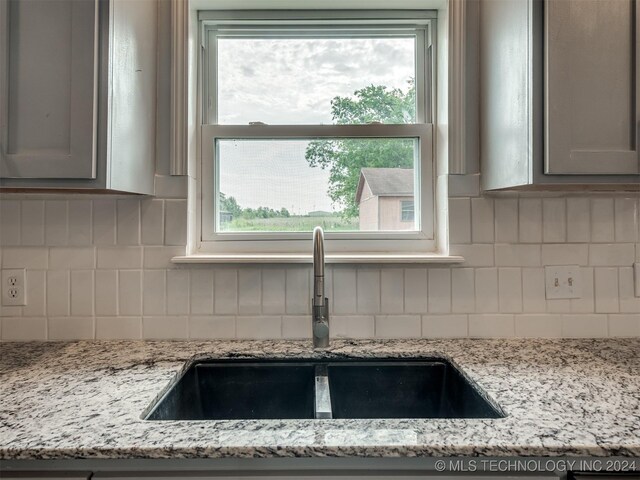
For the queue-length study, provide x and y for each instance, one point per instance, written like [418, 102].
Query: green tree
[229, 204]
[344, 158]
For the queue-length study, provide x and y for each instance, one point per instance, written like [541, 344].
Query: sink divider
[323, 393]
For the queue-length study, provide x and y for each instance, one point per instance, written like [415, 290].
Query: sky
[292, 81]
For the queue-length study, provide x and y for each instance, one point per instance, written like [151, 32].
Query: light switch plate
[562, 281]
[636, 277]
[14, 287]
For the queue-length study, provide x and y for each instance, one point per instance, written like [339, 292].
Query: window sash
[423, 80]
[207, 176]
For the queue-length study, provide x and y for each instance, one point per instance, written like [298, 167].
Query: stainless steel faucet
[320, 303]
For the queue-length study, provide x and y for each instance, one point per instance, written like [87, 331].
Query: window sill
[281, 258]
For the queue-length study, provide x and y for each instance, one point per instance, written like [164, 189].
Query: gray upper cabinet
[559, 93]
[592, 110]
[52, 53]
[77, 94]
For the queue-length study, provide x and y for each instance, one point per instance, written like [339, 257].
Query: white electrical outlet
[636, 275]
[14, 287]
[562, 281]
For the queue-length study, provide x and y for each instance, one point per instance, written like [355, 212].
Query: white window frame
[420, 24]
[402, 210]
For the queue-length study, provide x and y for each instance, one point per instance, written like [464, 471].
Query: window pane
[346, 184]
[316, 80]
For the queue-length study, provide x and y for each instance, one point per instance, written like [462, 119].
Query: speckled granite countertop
[84, 400]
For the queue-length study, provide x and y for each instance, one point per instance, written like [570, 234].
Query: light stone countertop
[85, 400]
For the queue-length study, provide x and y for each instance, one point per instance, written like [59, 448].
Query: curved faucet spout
[320, 303]
[318, 267]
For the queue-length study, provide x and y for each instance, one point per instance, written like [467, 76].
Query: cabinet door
[592, 52]
[48, 88]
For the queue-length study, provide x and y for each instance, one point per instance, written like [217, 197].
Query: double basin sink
[239, 389]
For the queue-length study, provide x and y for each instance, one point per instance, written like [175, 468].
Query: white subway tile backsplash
[624, 325]
[530, 226]
[260, 327]
[415, 290]
[611, 254]
[160, 257]
[201, 292]
[398, 326]
[249, 291]
[296, 327]
[584, 326]
[36, 295]
[510, 290]
[154, 292]
[439, 290]
[506, 212]
[58, 293]
[606, 287]
[486, 290]
[72, 258]
[352, 326]
[368, 287]
[444, 326]
[392, 290]
[629, 303]
[482, 220]
[175, 222]
[460, 220]
[298, 291]
[84, 261]
[490, 325]
[206, 327]
[118, 328]
[533, 290]
[273, 290]
[10, 220]
[517, 255]
[80, 224]
[463, 297]
[554, 220]
[177, 292]
[565, 254]
[130, 293]
[578, 220]
[559, 306]
[32, 223]
[626, 219]
[128, 222]
[152, 222]
[119, 257]
[344, 290]
[104, 222]
[82, 289]
[106, 294]
[36, 258]
[585, 304]
[477, 255]
[165, 328]
[538, 326]
[71, 328]
[56, 222]
[602, 220]
[20, 329]
[225, 291]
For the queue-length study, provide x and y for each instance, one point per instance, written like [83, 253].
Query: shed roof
[386, 182]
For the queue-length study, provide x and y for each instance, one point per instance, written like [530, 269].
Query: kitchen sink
[297, 389]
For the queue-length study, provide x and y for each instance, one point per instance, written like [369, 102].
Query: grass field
[330, 223]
